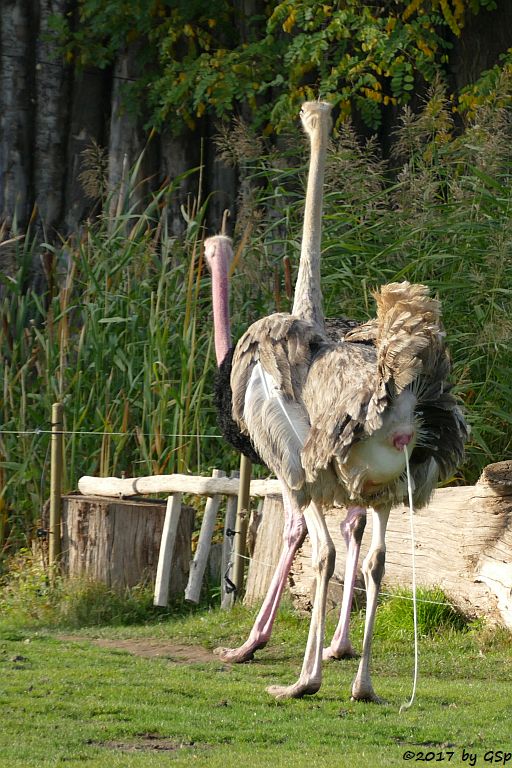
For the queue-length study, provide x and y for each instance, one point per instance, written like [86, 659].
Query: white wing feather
[278, 426]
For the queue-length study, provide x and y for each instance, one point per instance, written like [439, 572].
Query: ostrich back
[305, 401]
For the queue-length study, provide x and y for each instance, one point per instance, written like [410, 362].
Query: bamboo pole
[163, 573]
[55, 484]
[242, 522]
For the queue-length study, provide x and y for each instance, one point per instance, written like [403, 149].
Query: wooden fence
[463, 539]
[174, 486]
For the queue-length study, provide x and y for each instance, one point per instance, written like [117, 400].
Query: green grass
[66, 700]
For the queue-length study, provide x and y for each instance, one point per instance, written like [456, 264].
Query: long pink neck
[220, 297]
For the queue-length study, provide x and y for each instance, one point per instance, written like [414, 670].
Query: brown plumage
[333, 421]
[332, 396]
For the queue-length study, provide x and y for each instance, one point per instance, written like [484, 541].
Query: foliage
[122, 331]
[32, 596]
[119, 330]
[196, 59]
[434, 614]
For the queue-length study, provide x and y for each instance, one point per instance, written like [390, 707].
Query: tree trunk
[15, 113]
[485, 36]
[90, 106]
[51, 122]
[179, 155]
[463, 544]
[128, 141]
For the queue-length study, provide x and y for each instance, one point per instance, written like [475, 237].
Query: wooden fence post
[227, 584]
[55, 485]
[163, 572]
[198, 565]
[242, 522]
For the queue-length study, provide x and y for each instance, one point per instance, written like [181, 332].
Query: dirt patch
[179, 653]
[146, 742]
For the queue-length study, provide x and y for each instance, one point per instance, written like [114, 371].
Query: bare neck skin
[218, 252]
[316, 119]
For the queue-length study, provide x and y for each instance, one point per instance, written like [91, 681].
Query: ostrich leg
[293, 536]
[352, 528]
[323, 556]
[373, 570]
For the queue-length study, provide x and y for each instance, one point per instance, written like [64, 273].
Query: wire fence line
[106, 433]
[392, 595]
[38, 431]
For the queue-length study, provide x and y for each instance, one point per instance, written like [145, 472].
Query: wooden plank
[198, 565]
[164, 568]
[197, 484]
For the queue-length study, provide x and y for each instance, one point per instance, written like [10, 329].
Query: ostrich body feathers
[307, 401]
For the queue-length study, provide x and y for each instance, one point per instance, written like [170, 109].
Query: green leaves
[197, 59]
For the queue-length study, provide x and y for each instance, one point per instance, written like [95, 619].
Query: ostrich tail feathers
[407, 332]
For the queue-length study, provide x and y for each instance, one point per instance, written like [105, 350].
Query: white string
[409, 703]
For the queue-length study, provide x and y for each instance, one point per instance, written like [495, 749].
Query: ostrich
[333, 420]
[219, 254]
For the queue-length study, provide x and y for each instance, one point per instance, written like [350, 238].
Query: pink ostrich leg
[293, 536]
[352, 528]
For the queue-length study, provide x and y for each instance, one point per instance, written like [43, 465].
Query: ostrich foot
[365, 692]
[343, 651]
[238, 655]
[295, 691]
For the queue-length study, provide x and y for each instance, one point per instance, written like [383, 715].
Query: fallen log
[463, 545]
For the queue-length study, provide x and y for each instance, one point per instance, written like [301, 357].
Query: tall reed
[121, 334]
[121, 330]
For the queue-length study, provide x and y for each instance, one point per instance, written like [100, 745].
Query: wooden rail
[196, 484]
[174, 486]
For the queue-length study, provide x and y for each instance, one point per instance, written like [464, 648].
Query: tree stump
[117, 542]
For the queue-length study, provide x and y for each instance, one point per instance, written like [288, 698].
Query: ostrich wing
[270, 366]
[359, 381]
[344, 400]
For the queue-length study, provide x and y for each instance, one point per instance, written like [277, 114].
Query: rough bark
[129, 142]
[179, 155]
[485, 36]
[117, 542]
[15, 113]
[51, 121]
[90, 106]
[463, 545]
[267, 548]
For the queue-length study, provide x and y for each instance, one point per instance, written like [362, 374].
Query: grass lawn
[67, 699]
